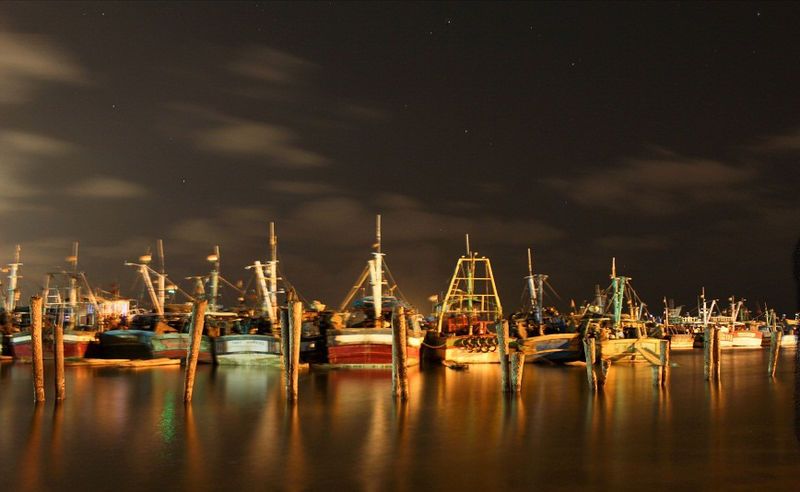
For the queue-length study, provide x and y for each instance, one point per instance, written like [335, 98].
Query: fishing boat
[163, 332]
[70, 303]
[734, 332]
[624, 338]
[257, 341]
[467, 317]
[790, 332]
[541, 333]
[679, 330]
[359, 334]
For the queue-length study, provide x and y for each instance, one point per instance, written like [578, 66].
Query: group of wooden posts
[512, 361]
[37, 354]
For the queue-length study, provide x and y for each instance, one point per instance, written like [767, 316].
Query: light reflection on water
[128, 429]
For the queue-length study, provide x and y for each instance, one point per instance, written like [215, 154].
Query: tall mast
[618, 284]
[273, 274]
[532, 294]
[13, 271]
[73, 279]
[214, 259]
[376, 271]
[470, 275]
[162, 275]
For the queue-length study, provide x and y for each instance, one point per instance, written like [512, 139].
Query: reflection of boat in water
[360, 333]
[466, 318]
[542, 333]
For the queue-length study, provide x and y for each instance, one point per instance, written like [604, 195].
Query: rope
[434, 346]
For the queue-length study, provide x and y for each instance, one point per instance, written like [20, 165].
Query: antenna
[613, 267]
[469, 253]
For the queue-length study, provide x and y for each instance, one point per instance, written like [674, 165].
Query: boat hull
[634, 350]
[789, 340]
[142, 344]
[556, 347]
[746, 339]
[247, 350]
[75, 346]
[682, 341]
[464, 349]
[367, 347]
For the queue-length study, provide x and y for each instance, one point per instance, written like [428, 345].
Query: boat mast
[273, 275]
[144, 271]
[470, 276]
[214, 278]
[532, 291]
[618, 284]
[376, 272]
[13, 271]
[162, 275]
[73, 284]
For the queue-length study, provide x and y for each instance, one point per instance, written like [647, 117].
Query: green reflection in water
[166, 423]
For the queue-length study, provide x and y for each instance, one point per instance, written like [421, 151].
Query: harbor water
[128, 429]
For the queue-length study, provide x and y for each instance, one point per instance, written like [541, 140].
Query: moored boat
[468, 315]
[359, 334]
[542, 333]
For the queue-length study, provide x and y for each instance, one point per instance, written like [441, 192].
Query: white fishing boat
[258, 343]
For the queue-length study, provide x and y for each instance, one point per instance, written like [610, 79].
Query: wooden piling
[589, 353]
[400, 355]
[36, 348]
[717, 354]
[286, 347]
[516, 366]
[708, 353]
[664, 357]
[58, 354]
[198, 320]
[502, 352]
[774, 351]
[292, 360]
[601, 365]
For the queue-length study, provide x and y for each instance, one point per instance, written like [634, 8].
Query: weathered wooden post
[295, 332]
[36, 349]
[589, 354]
[774, 346]
[502, 353]
[666, 345]
[286, 348]
[708, 352]
[717, 354]
[602, 365]
[292, 321]
[516, 367]
[198, 320]
[58, 354]
[400, 355]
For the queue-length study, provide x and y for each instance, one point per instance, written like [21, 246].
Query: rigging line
[397, 286]
[547, 284]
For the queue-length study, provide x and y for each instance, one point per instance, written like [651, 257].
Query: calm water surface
[127, 429]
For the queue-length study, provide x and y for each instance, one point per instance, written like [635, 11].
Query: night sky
[665, 134]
